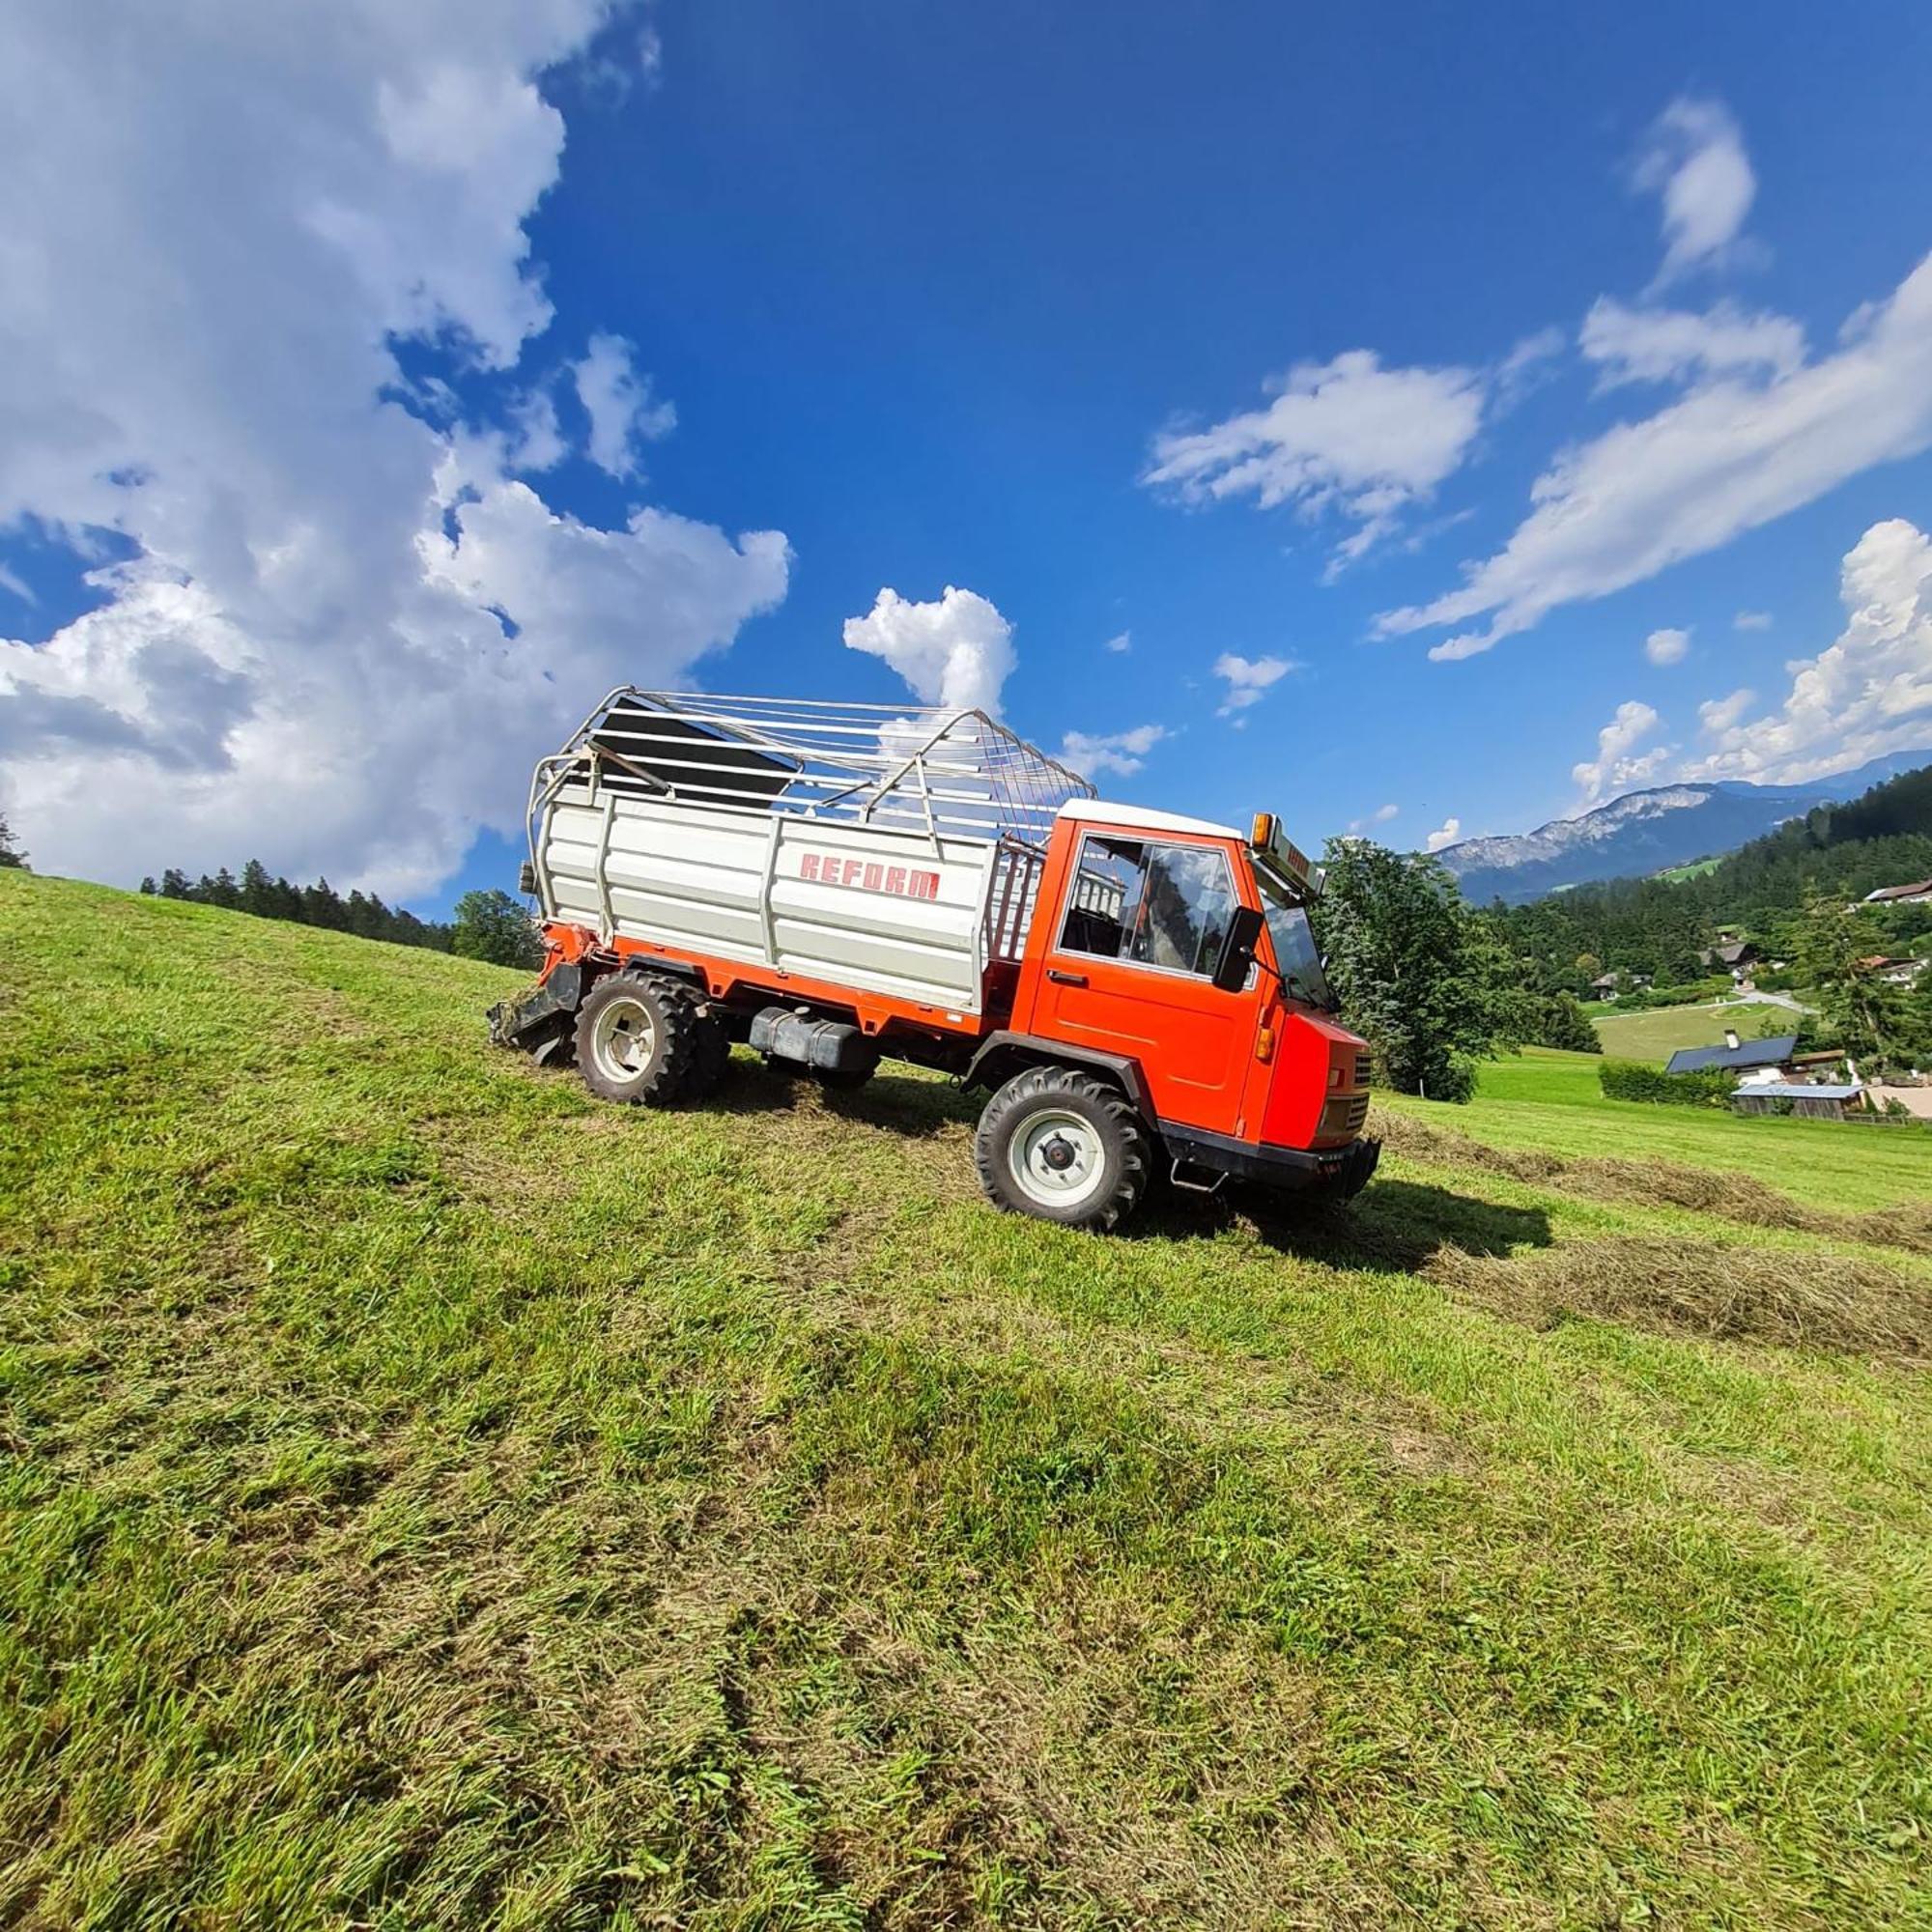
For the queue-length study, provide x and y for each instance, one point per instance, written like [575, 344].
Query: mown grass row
[433, 1497]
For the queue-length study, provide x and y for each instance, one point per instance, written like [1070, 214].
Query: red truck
[833, 883]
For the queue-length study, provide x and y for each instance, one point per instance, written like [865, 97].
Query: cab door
[1128, 969]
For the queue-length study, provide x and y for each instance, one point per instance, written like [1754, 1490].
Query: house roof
[1799, 1090]
[1912, 891]
[1772, 1052]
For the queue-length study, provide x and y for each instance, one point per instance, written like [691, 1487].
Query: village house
[1739, 1056]
[1919, 891]
[1775, 1078]
[1893, 972]
[1736, 957]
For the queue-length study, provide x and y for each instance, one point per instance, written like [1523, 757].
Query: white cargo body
[894, 852]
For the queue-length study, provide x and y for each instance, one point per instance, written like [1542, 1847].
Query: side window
[1156, 905]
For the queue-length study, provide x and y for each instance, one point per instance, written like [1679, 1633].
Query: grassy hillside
[1658, 1033]
[435, 1498]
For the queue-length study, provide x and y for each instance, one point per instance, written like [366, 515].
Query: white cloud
[1617, 765]
[1719, 714]
[1120, 751]
[1866, 694]
[1380, 815]
[1526, 367]
[1123, 640]
[1445, 834]
[1695, 160]
[1751, 621]
[304, 660]
[1249, 679]
[1652, 345]
[1728, 456]
[1666, 647]
[1348, 436]
[618, 401]
[955, 652]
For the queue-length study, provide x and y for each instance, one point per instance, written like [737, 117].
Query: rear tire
[637, 1038]
[1062, 1147]
[710, 1059]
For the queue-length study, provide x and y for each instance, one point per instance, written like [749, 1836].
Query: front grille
[1345, 1115]
[1362, 1069]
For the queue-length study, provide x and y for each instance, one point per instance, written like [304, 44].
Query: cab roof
[1142, 818]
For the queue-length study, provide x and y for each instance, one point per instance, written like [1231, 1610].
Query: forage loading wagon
[837, 883]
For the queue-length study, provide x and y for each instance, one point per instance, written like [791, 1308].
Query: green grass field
[1658, 1033]
[435, 1498]
[1551, 1101]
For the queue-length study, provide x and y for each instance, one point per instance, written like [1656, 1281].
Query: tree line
[1659, 927]
[486, 924]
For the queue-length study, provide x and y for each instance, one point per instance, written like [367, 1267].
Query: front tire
[1062, 1147]
[637, 1038]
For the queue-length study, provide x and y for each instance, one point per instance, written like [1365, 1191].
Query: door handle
[1060, 979]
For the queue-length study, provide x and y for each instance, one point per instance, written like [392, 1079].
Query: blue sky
[1136, 322]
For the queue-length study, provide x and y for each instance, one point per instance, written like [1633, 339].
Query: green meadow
[433, 1497]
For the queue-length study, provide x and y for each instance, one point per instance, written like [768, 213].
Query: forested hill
[1883, 838]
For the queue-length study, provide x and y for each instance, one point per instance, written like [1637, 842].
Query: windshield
[1295, 950]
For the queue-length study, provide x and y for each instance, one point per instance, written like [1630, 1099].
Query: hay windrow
[1724, 1192]
[1704, 1288]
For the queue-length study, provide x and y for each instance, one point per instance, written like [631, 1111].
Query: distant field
[1550, 1100]
[430, 1497]
[1695, 869]
[1659, 1033]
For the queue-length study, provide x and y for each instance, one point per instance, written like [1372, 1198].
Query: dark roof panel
[1771, 1052]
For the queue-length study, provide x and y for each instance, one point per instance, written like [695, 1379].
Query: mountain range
[1645, 832]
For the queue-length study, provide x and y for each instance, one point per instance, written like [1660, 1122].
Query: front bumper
[1340, 1170]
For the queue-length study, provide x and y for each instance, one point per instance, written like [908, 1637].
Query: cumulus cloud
[1866, 694]
[1380, 815]
[1249, 679]
[1666, 647]
[1719, 714]
[348, 628]
[1120, 640]
[1445, 834]
[1120, 751]
[1348, 436]
[1653, 345]
[1730, 454]
[957, 651]
[617, 399]
[1694, 160]
[1751, 621]
[1617, 765]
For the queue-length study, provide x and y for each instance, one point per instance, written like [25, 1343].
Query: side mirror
[1237, 955]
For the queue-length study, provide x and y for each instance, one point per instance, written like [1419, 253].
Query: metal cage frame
[948, 772]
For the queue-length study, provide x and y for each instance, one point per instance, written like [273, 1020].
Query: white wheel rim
[624, 1039]
[1057, 1158]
